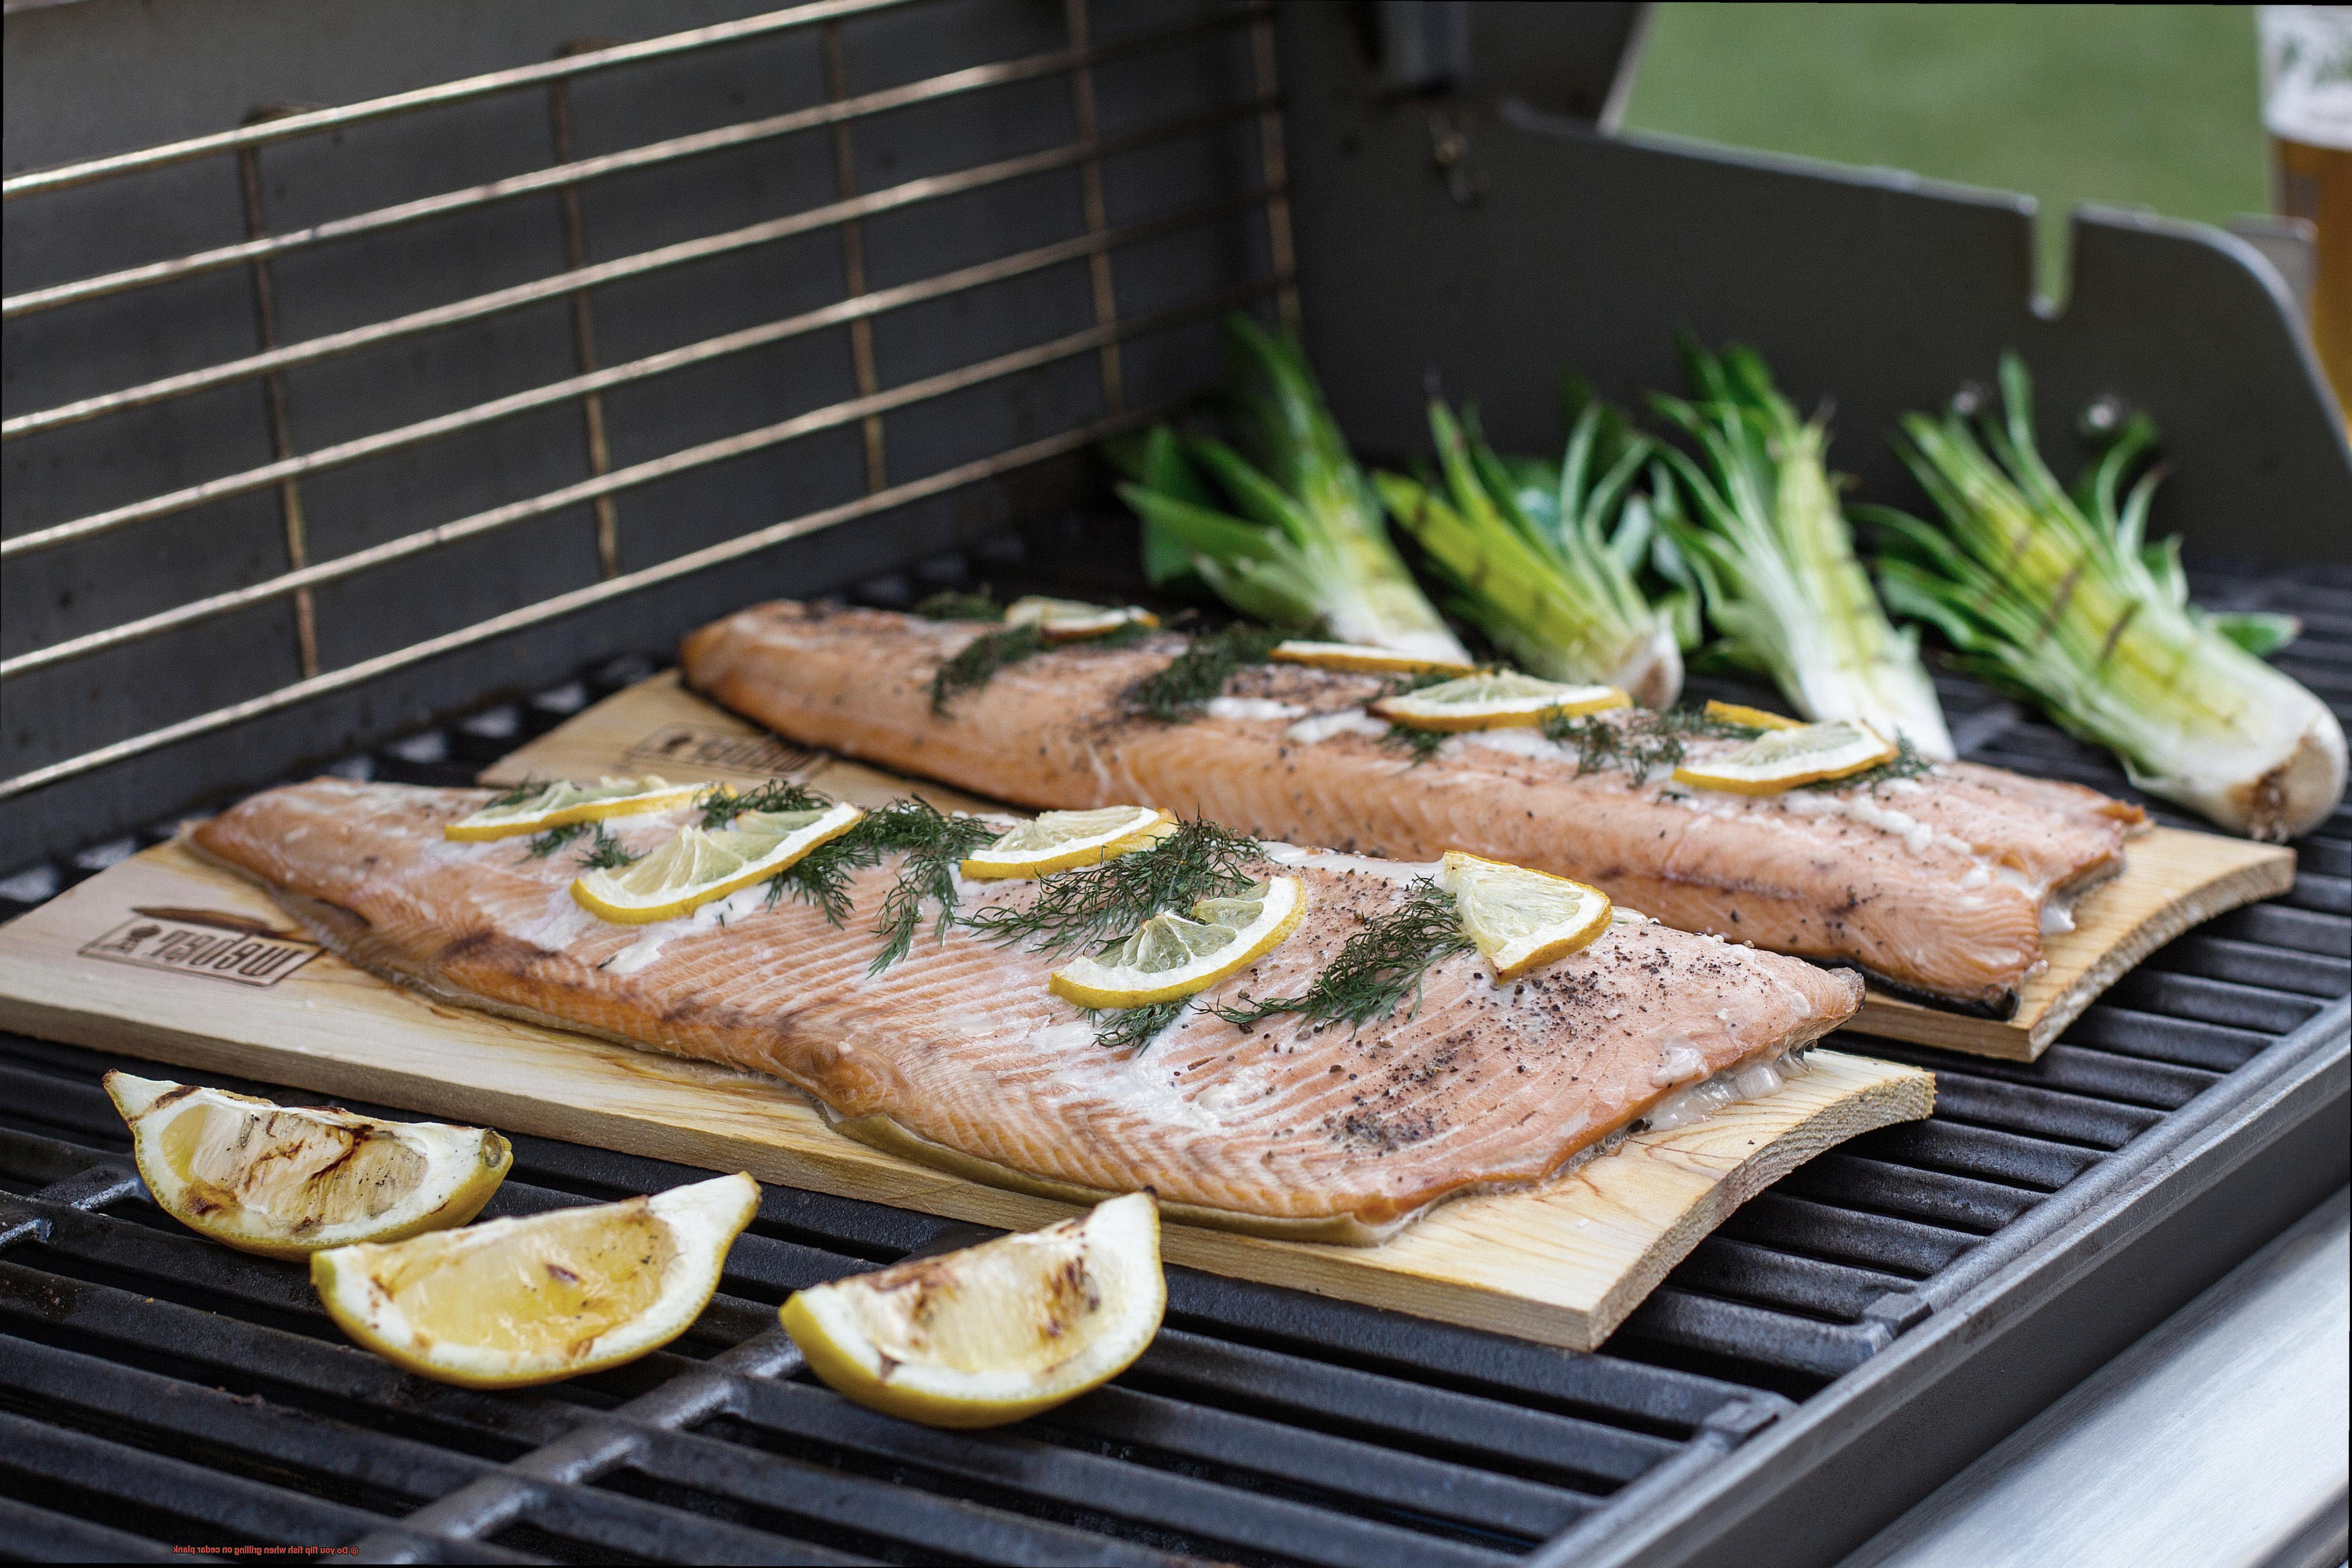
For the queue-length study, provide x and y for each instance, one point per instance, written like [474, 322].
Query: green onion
[1764, 540]
[2056, 597]
[1529, 559]
[1300, 541]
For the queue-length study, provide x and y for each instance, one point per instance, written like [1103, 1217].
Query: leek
[1523, 550]
[1767, 546]
[2056, 597]
[1302, 541]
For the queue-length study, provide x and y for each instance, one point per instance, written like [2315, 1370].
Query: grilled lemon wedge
[1496, 700]
[1783, 759]
[1364, 659]
[518, 1301]
[1071, 620]
[286, 1181]
[1170, 956]
[1522, 920]
[699, 865]
[995, 1332]
[1059, 840]
[561, 804]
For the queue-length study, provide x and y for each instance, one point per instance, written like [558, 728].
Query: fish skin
[962, 1045]
[1051, 732]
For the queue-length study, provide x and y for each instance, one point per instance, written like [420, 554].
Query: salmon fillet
[960, 1054]
[1938, 887]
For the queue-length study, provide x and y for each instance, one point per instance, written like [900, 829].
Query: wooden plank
[173, 959]
[2172, 878]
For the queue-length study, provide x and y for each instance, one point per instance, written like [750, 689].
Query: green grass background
[2147, 105]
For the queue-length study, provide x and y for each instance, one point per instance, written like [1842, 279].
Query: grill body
[855, 290]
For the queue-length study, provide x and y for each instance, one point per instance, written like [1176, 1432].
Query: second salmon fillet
[1938, 886]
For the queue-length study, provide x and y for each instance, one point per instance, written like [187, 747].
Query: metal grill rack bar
[1114, 160]
[152, 1374]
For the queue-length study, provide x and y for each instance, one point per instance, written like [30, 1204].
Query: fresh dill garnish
[1423, 744]
[934, 844]
[545, 844]
[955, 605]
[1639, 739]
[603, 852]
[1377, 968]
[1121, 1026]
[1199, 674]
[1907, 763]
[986, 654]
[1095, 905]
[515, 796]
[720, 806]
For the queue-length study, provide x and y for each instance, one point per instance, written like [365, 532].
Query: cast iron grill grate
[158, 1390]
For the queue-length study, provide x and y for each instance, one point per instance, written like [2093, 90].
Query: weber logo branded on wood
[199, 941]
[754, 756]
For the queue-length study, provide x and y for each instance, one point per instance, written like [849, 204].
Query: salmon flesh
[1938, 887]
[960, 1056]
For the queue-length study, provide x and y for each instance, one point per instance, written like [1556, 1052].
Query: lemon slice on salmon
[1497, 700]
[1069, 620]
[1059, 840]
[1170, 956]
[527, 809]
[518, 1301]
[1522, 920]
[1363, 658]
[700, 865]
[1783, 759]
[995, 1332]
[1753, 718]
[286, 1181]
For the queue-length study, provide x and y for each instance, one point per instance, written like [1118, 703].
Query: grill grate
[163, 1390]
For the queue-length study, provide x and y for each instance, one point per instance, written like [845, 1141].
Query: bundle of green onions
[1763, 540]
[1530, 558]
[1300, 541]
[2057, 597]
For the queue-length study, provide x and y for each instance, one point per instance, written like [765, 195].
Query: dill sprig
[986, 654]
[933, 843]
[515, 796]
[1199, 674]
[1907, 763]
[720, 806]
[1639, 739]
[1423, 744]
[542, 846]
[1115, 1028]
[1377, 968]
[603, 852]
[955, 605]
[1097, 905]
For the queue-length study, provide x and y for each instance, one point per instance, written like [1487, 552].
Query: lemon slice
[286, 1181]
[1068, 620]
[561, 804]
[1057, 840]
[1170, 956]
[1500, 700]
[995, 1332]
[699, 865]
[1522, 920]
[513, 1302]
[1363, 658]
[1801, 754]
[1754, 718]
